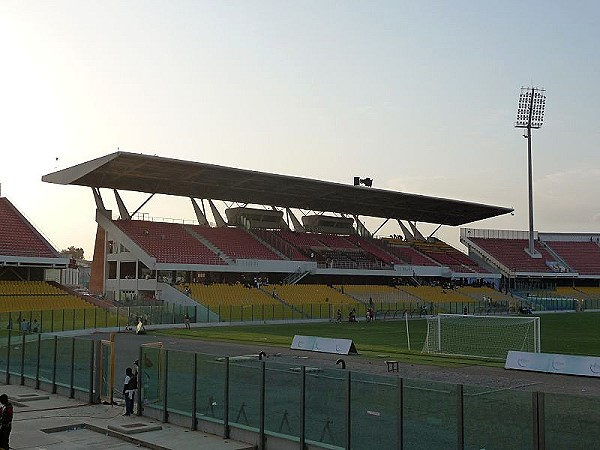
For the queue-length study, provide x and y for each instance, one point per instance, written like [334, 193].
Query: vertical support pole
[530, 181]
[226, 400]
[140, 401]
[23, 359]
[303, 408]
[52, 321]
[194, 393]
[537, 407]
[348, 410]
[538, 337]
[541, 422]
[72, 377]
[92, 369]
[165, 413]
[8, 357]
[84, 319]
[37, 365]
[439, 333]
[95, 317]
[54, 363]
[261, 419]
[400, 413]
[534, 413]
[460, 426]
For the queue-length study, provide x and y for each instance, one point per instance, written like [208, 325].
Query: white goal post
[481, 336]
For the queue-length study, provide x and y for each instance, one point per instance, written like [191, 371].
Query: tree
[73, 252]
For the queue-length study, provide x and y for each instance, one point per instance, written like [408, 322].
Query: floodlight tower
[530, 115]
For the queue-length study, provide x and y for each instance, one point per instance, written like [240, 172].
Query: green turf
[570, 333]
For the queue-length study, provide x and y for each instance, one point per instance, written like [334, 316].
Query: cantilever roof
[155, 174]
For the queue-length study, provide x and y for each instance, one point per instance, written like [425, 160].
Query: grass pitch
[567, 333]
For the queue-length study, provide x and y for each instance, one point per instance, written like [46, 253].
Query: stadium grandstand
[32, 271]
[287, 231]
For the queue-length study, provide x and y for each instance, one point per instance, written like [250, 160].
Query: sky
[421, 96]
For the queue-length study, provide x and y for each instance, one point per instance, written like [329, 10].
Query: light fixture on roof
[530, 115]
[368, 182]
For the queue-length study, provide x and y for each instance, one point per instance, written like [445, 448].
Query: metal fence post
[226, 401]
[261, 423]
[348, 410]
[93, 367]
[460, 426]
[400, 413]
[8, 357]
[303, 408]
[23, 358]
[54, 363]
[165, 413]
[72, 378]
[194, 393]
[37, 365]
[140, 402]
[539, 433]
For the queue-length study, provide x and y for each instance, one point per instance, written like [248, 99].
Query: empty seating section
[18, 237]
[582, 257]
[371, 246]
[511, 253]
[307, 241]
[447, 256]
[217, 294]
[591, 292]
[36, 295]
[335, 251]
[303, 294]
[168, 242]
[235, 243]
[274, 239]
[478, 294]
[411, 256]
[436, 294]
[570, 292]
[336, 242]
[379, 294]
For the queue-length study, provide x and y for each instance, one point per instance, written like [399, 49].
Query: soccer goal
[481, 336]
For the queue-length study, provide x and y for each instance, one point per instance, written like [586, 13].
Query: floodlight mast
[530, 114]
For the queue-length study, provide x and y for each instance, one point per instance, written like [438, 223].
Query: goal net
[482, 336]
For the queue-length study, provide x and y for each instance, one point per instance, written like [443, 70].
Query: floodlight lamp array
[530, 112]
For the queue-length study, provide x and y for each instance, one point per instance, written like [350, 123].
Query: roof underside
[154, 174]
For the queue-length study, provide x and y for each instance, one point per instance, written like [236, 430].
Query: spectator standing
[6, 417]
[129, 388]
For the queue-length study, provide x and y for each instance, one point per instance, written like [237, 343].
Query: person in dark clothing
[6, 417]
[129, 388]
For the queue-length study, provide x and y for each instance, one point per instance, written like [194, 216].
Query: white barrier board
[588, 366]
[323, 345]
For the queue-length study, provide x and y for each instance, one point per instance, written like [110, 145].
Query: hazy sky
[421, 96]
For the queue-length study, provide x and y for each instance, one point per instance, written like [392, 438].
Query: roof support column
[217, 215]
[123, 213]
[199, 213]
[416, 232]
[283, 224]
[297, 225]
[407, 234]
[360, 227]
[98, 199]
